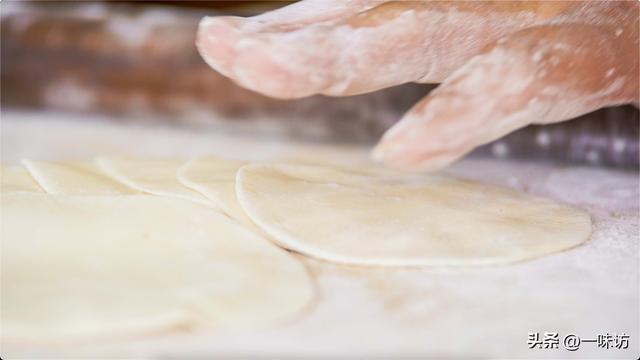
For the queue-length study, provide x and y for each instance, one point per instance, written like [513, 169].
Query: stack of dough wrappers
[116, 247]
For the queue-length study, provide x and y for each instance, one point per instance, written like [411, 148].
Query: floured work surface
[588, 290]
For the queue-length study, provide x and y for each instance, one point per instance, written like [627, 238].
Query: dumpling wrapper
[215, 178]
[153, 176]
[177, 307]
[18, 179]
[78, 267]
[366, 219]
[74, 178]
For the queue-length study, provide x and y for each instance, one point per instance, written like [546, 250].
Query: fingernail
[382, 152]
[377, 154]
[394, 141]
[397, 129]
[220, 26]
[216, 35]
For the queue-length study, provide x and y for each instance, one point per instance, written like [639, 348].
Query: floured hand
[502, 65]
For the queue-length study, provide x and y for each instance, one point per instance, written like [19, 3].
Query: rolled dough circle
[76, 267]
[365, 218]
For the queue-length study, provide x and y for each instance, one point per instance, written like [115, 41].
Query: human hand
[503, 65]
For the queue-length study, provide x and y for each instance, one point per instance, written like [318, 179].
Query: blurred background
[137, 62]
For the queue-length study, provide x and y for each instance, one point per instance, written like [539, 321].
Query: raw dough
[74, 178]
[365, 219]
[17, 179]
[100, 266]
[153, 176]
[215, 178]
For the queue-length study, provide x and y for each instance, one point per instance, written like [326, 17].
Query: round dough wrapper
[153, 176]
[362, 218]
[17, 179]
[76, 267]
[215, 178]
[74, 178]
